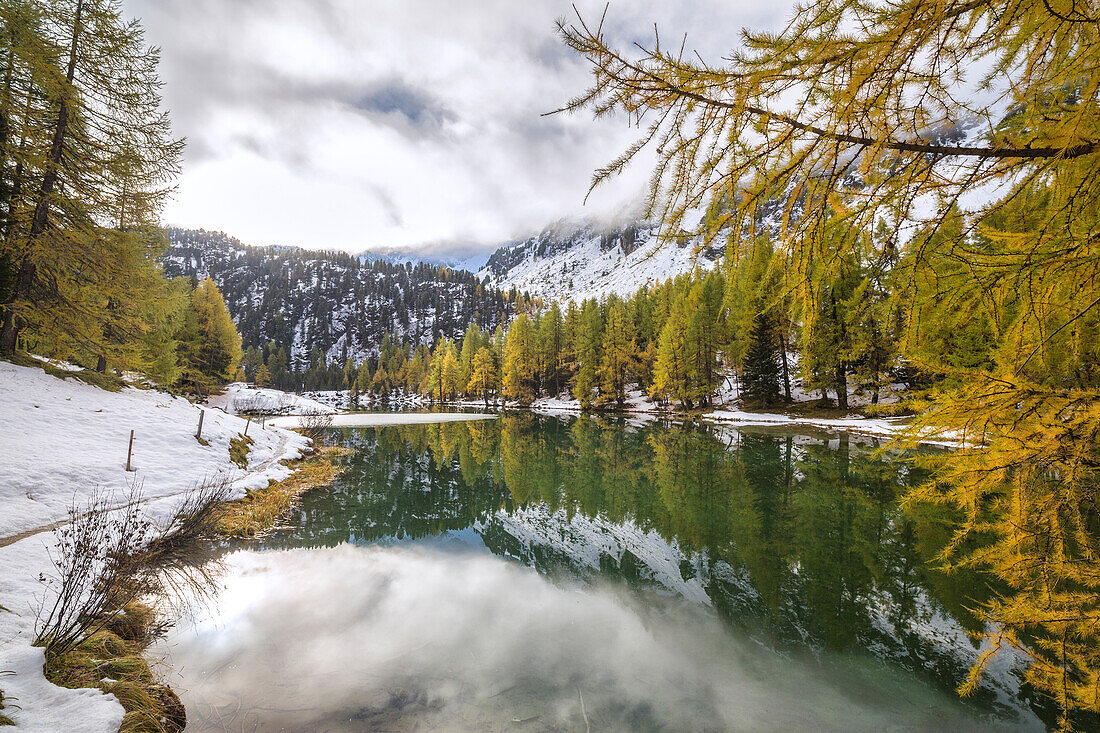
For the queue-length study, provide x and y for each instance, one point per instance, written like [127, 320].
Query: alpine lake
[544, 573]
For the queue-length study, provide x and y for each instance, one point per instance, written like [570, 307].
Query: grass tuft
[239, 448]
[5, 720]
[108, 661]
[260, 510]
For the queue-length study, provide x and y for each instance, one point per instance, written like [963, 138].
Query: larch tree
[589, 335]
[209, 345]
[89, 159]
[856, 112]
[483, 377]
[619, 346]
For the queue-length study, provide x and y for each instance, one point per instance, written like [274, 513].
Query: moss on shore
[260, 510]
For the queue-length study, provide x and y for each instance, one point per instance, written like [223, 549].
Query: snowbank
[871, 426]
[63, 439]
[381, 419]
[240, 398]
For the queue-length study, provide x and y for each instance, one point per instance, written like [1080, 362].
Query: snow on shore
[62, 440]
[240, 398]
[381, 419]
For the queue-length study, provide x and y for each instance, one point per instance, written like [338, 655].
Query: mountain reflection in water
[539, 573]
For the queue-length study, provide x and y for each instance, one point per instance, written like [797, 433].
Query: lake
[538, 573]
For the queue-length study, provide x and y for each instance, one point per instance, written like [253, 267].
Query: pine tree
[761, 371]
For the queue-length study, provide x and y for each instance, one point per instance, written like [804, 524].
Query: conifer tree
[263, 376]
[616, 364]
[520, 365]
[706, 334]
[588, 345]
[828, 136]
[672, 373]
[209, 346]
[91, 159]
[761, 371]
[483, 378]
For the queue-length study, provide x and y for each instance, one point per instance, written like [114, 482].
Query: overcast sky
[359, 124]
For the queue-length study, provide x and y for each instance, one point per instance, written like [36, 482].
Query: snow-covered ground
[64, 439]
[241, 398]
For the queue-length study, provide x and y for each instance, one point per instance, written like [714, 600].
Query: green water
[537, 573]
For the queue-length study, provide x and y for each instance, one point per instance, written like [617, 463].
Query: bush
[107, 557]
[316, 427]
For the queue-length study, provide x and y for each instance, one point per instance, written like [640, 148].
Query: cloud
[464, 640]
[399, 123]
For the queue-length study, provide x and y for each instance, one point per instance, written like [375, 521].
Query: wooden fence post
[130, 451]
[247, 423]
[202, 414]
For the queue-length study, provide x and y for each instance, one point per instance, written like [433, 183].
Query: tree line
[680, 342]
[337, 302]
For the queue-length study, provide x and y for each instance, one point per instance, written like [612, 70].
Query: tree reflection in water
[797, 540]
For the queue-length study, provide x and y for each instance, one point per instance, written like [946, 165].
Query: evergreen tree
[761, 371]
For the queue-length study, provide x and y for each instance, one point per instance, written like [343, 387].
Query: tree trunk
[24, 284]
[783, 363]
[842, 385]
[9, 330]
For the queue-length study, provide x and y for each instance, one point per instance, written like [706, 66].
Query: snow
[64, 439]
[871, 426]
[380, 419]
[579, 267]
[243, 398]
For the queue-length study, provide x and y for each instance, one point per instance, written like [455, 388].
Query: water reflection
[700, 579]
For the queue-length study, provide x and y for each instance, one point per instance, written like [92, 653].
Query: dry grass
[111, 660]
[260, 510]
[107, 381]
[239, 448]
[4, 720]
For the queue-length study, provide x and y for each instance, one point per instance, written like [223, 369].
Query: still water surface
[537, 573]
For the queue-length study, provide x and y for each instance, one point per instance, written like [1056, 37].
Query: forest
[680, 342]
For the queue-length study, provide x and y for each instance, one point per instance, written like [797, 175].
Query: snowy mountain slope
[579, 260]
[333, 301]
